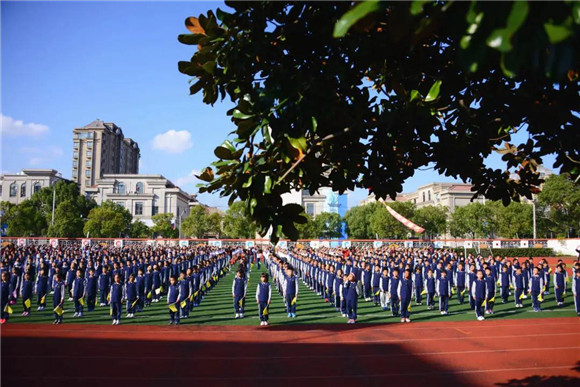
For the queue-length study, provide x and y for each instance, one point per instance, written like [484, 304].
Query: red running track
[522, 352]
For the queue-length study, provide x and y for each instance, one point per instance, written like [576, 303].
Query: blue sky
[64, 64]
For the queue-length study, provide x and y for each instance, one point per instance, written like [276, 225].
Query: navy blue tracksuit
[404, 292]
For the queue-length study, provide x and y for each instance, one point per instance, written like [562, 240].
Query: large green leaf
[352, 16]
[433, 91]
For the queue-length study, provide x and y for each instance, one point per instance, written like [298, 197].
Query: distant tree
[513, 221]
[163, 226]
[68, 220]
[328, 224]
[109, 220]
[25, 219]
[473, 220]
[197, 223]
[310, 229]
[358, 221]
[237, 221]
[215, 220]
[559, 206]
[433, 219]
[138, 229]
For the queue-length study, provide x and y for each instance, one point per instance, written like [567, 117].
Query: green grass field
[217, 309]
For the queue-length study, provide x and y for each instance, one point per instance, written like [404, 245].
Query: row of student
[385, 285]
[137, 290]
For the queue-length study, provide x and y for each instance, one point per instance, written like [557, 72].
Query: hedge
[513, 252]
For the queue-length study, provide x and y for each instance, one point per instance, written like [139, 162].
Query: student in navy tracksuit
[384, 288]
[443, 291]
[490, 283]
[504, 283]
[330, 278]
[471, 276]
[419, 284]
[26, 294]
[58, 297]
[430, 288]
[366, 278]
[575, 291]
[239, 289]
[519, 286]
[479, 294]
[405, 291]
[350, 291]
[78, 293]
[41, 289]
[156, 280]
[140, 284]
[91, 290]
[460, 278]
[291, 291]
[559, 285]
[338, 298]
[173, 298]
[131, 295]
[376, 280]
[104, 286]
[394, 292]
[263, 298]
[116, 295]
[536, 287]
[185, 291]
[4, 296]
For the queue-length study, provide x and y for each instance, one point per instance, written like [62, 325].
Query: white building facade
[16, 188]
[144, 196]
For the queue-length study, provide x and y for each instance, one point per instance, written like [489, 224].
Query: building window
[23, 190]
[88, 183]
[89, 153]
[13, 190]
[37, 187]
[122, 204]
[76, 155]
[75, 163]
[429, 195]
[76, 145]
[87, 173]
[88, 163]
[155, 210]
[89, 144]
[138, 208]
[139, 188]
[423, 196]
[121, 188]
[310, 208]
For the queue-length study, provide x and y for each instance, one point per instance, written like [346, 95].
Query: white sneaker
[128, 315]
[70, 298]
[266, 323]
[237, 315]
[75, 315]
[242, 315]
[114, 322]
[407, 320]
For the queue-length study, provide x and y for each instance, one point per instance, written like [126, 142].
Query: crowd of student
[110, 277]
[391, 278]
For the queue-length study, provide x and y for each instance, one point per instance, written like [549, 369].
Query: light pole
[534, 215]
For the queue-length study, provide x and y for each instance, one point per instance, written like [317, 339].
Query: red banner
[406, 222]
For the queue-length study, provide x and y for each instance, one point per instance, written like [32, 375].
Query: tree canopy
[109, 220]
[348, 94]
[237, 222]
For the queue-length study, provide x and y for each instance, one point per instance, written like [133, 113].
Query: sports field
[217, 309]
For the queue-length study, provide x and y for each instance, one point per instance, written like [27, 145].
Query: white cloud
[41, 156]
[12, 127]
[173, 141]
[187, 180]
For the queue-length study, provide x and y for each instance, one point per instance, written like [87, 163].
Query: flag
[241, 302]
[549, 270]
[8, 309]
[134, 303]
[172, 307]
[293, 301]
[59, 311]
[452, 291]
[492, 299]
[109, 297]
[521, 296]
[149, 295]
[203, 288]
[82, 301]
[195, 294]
[424, 292]
[111, 311]
[183, 303]
[207, 284]
[191, 298]
[377, 293]
[265, 311]
[463, 292]
[511, 286]
[161, 289]
[483, 304]
[43, 299]
[540, 298]
[158, 291]
[27, 303]
[409, 307]
[406, 222]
